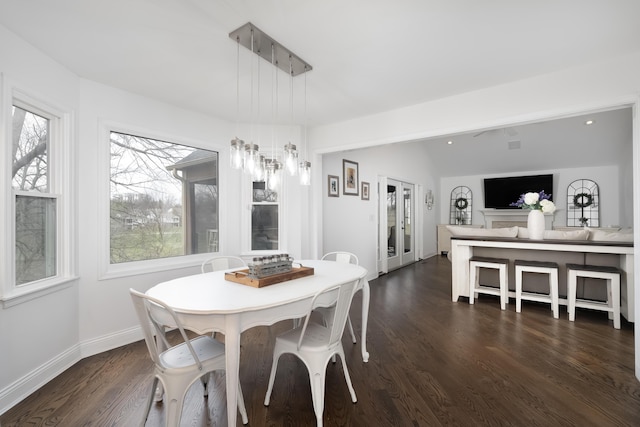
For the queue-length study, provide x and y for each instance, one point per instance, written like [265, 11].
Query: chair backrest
[222, 262]
[341, 256]
[154, 316]
[340, 312]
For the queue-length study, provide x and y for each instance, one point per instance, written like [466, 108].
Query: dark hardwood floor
[433, 363]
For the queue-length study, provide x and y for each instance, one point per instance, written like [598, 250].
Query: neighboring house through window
[163, 199]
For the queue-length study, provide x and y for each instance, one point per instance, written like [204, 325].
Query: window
[264, 218]
[163, 199]
[36, 206]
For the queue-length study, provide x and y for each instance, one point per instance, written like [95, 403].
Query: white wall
[607, 177]
[627, 184]
[41, 335]
[350, 223]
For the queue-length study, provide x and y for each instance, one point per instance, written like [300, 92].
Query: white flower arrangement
[536, 201]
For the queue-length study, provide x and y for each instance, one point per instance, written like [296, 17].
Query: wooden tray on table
[242, 277]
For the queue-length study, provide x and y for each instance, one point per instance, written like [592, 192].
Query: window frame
[255, 204]
[106, 270]
[246, 217]
[60, 171]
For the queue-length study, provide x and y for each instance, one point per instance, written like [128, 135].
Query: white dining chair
[222, 262]
[177, 367]
[315, 344]
[347, 258]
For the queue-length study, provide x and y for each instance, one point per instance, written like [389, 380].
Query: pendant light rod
[237, 85]
[259, 42]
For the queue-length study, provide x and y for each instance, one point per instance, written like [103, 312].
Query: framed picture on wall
[365, 190]
[350, 181]
[333, 186]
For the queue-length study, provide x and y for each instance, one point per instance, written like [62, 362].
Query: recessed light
[449, 142]
[589, 122]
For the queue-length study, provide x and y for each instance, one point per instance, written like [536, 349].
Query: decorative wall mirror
[460, 206]
[583, 204]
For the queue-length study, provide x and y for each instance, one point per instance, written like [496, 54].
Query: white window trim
[62, 183]
[245, 232]
[106, 270]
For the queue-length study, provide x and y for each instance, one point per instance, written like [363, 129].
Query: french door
[396, 228]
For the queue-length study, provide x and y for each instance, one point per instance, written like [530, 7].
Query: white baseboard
[110, 341]
[14, 393]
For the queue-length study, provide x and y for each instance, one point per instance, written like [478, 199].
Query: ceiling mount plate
[262, 46]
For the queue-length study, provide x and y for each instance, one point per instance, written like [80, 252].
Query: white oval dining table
[207, 302]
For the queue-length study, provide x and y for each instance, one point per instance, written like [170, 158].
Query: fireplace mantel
[498, 218]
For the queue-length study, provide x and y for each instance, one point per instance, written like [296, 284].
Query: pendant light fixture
[272, 165]
[291, 158]
[251, 153]
[305, 166]
[237, 145]
[259, 166]
[259, 169]
[290, 152]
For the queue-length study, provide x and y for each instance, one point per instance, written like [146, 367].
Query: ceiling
[551, 145]
[368, 56]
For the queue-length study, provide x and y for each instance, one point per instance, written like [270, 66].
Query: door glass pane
[407, 220]
[35, 238]
[391, 220]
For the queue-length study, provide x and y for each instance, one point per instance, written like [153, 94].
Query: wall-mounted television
[499, 193]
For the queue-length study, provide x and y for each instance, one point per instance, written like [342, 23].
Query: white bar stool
[542, 267]
[500, 264]
[612, 277]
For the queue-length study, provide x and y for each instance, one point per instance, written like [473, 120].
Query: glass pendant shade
[259, 169]
[237, 153]
[305, 173]
[272, 168]
[291, 158]
[251, 157]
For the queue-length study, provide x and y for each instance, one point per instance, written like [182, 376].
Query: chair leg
[519, 274]
[151, 399]
[504, 288]
[473, 283]
[347, 377]
[272, 377]
[615, 301]
[353, 335]
[553, 291]
[571, 295]
[173, 401]
[317, 379]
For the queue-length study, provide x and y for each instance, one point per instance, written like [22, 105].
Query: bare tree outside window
[164, 199]
[35, 209]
